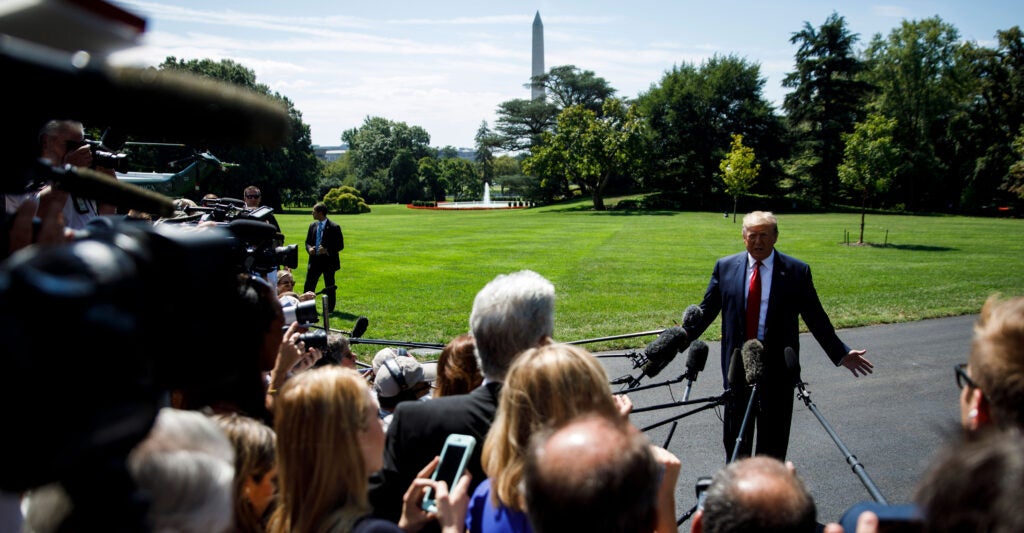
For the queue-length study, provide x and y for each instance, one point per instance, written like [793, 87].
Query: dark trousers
[770, 414]
[319, 267]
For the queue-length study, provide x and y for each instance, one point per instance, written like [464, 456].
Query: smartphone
[701, 488]
[454, 456]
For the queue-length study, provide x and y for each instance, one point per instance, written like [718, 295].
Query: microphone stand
[405, 344]
[710, 403]
[623, 336]
[743, 426]
[858, 469]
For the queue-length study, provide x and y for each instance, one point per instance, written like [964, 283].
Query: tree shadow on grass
[612, 212]
[909, 247]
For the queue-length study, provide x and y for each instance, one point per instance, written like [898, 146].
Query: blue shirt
[484, 517]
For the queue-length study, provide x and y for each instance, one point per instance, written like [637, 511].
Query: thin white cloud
[891, 11]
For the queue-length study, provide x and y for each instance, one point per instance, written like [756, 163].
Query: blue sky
[446, 65]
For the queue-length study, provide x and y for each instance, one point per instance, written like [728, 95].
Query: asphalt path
[891, 422]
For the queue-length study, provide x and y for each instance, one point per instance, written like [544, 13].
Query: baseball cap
[429, 371]
[397, 375]
[386, 353]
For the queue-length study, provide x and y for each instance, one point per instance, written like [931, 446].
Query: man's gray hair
[512, 313]
[760, 218]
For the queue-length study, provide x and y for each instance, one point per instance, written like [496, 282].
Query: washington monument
[537, 89]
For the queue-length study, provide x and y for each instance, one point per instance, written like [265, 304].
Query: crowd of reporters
[303, 438]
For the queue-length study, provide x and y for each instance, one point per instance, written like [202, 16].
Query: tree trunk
[863, 211]
[735, 204]
[598, 193]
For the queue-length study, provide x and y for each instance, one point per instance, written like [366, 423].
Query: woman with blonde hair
[545, 387]
[329, 441]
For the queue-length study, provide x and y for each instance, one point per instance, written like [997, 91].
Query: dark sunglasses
[252, 196]
[962, 379]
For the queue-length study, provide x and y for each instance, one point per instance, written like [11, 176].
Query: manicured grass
[414, 272]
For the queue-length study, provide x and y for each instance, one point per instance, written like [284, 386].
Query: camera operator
[293, 357]
[253, 196]
[62, 142]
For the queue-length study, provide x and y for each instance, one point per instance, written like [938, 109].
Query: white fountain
[486, 203]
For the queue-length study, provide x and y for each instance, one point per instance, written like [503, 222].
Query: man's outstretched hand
[857, 364]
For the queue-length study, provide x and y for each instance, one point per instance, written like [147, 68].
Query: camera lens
[314, 339]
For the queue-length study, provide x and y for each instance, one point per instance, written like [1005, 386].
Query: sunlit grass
[414, 273]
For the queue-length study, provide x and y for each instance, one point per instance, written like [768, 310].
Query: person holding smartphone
[512, 313]
[526, 406]
[329, 440]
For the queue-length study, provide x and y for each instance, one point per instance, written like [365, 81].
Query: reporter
[255, 483]
[329, 441]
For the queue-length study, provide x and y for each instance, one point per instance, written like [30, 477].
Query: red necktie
[754, 302]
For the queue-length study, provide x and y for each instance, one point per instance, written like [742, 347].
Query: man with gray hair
[512, 313]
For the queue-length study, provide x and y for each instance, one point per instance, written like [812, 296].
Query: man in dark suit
[324, 242]
[512, 313]
[786, 294]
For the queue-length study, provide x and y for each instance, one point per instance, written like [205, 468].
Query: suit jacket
[417, 434]
[792, 296]
[332, 240]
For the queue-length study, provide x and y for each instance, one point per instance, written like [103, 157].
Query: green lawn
[414, 273]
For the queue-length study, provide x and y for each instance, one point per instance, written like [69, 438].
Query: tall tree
[430, 175]
[826, 100]
[923, 86]
[589, 150]
[739, 171]
[691, 114]
[287, 170]
[995, 114]
[520, 122]
[373, 148]
[567, 86]
[403, 172]
[487, 142]
[461, 179]
[1015, 177]
[870, 160]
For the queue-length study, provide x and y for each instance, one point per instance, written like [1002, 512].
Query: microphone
[360, 327]
[191, 109]
[88, 183]
[657, 355]
[251, 231]
[696, 358]
[662, 350]
[753, 368]
[736, 372]
[753, 364]
[692, 317]
[793, 365]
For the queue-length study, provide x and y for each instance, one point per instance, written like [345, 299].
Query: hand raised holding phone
[449, 503]
[454, 457]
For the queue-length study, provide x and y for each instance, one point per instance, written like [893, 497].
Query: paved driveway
[892, 421]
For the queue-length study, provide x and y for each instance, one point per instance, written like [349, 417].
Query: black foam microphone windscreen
[692, 316]
[753, 364]
[252, 231]
[736, 378]
[360, 327]
[663, 349]
[87, 183]
[139, 102]
[697, 357]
